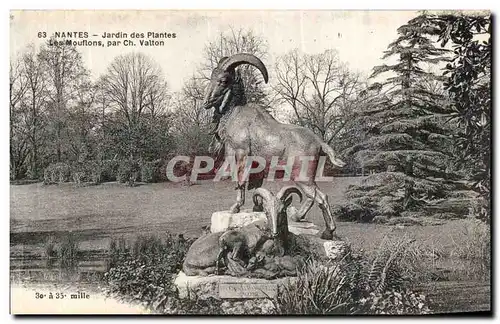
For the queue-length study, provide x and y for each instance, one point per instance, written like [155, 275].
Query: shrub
[319, 289]
[150, 171]
[353, 212]
[144, 272]
[50, 252]
[85, 171]
[357, 284]
[109, 170]
[380, 219]
[128, 172]
[394, 302]
[404, 220]
[57, 173]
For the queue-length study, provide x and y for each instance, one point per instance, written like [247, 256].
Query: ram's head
[275, 207]
[219, 90]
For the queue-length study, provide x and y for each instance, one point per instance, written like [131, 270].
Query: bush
[393, 302]
[86, 171]
[405, 220]
[319, 289]
[352, 212]
[128, 172]
[150, 171]
[144, 272]
[82, 171]
[357, 284]
[57, 173]
[108, 170]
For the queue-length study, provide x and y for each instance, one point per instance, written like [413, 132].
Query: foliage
[143, 272]
[394, 303]
[357, 284]
[50, 250]
[469, 85]
[476, 250]
[128, 172]
[407, 142]
[318, 289]
[150, 171]
[57, 173]
[124, 171]
[108, 170]
[87, 171]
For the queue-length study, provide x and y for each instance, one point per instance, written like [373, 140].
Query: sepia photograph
[250, 162]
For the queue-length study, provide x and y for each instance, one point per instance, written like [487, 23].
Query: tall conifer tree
[407, 138]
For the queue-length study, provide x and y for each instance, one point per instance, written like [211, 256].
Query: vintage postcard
[250, 162]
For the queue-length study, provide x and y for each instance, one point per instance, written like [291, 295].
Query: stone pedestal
[222, 220]
[333, 250]
[303, 228]
[306, 231]
[227, 287]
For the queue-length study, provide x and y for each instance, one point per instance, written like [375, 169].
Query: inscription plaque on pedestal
[247, 290]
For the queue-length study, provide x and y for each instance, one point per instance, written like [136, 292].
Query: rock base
[227, 287]
[223, 220]
[333, 250]
[307, 228]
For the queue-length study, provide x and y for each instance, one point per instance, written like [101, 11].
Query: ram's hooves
[328, 235]
[234, 209]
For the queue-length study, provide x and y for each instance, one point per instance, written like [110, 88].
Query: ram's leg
[310, 196]
[220, 257]
[241, 158]
[240, 199]
[311, 190]
[304, 209]
[236, 254]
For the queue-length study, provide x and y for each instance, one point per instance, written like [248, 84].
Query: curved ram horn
[244, 58]
[265, 194]
[255, 201]
[287, 191]
[222, 60]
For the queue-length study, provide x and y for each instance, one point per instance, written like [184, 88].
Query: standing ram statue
[247, 129]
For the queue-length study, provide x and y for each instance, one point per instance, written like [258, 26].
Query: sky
[360, 37]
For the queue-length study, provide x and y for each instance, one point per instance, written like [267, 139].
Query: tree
[407, 139]
[322, 94]
[34, 104]
[65, 73]
[469, 85]
[82, 122]
[18, 142]
[191, 123]
[138, 94]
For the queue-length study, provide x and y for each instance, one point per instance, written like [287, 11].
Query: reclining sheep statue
[242, 251]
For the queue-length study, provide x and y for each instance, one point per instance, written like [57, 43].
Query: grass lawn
[115, 209]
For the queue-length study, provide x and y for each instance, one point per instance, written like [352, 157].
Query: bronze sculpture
[246, 129]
